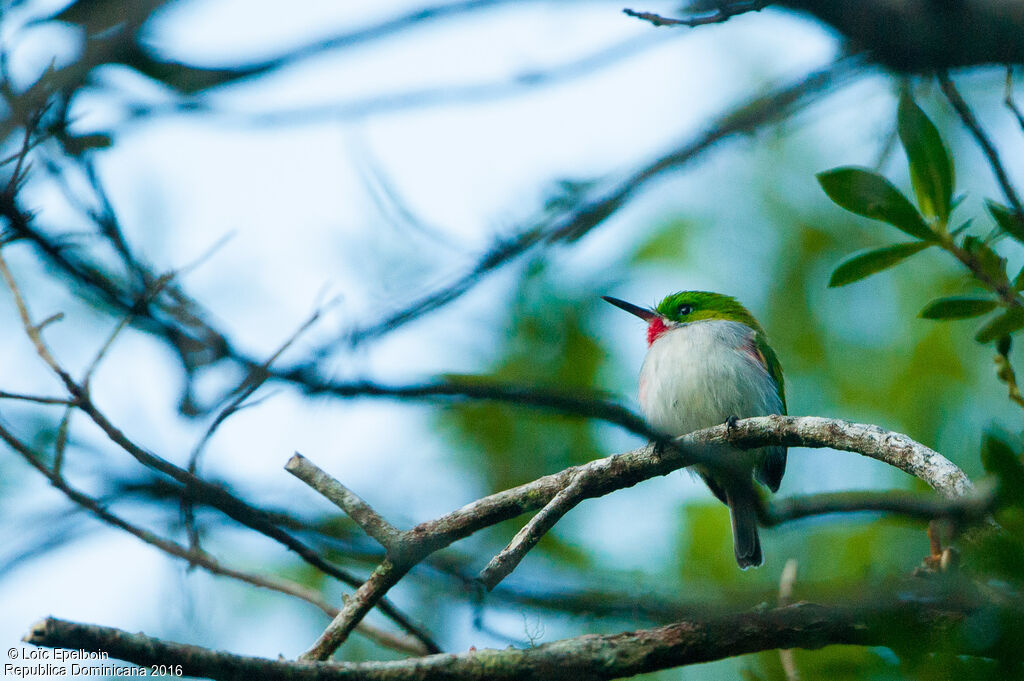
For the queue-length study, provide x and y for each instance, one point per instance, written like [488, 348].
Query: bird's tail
[745, 540]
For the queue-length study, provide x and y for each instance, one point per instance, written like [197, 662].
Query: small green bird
[707, 363]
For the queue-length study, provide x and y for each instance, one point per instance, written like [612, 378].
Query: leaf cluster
[867, 193]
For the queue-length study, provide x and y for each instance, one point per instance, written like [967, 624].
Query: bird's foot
[730, 425]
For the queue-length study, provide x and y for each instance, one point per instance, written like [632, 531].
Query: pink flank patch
[655, 328]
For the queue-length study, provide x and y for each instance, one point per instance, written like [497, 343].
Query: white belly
[698, 375]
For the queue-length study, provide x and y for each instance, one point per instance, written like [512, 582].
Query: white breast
[699, 374]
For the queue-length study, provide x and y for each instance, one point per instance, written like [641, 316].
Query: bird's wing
[764, 354]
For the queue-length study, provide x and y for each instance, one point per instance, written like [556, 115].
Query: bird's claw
[730, 425]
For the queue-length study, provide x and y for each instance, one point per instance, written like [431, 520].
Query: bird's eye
[685, 309]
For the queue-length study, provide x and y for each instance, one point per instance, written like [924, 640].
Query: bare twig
[786, 582]
[255, 379]
[989, 149]
[33, 330]
[1008, 99]
[38, 399]
[214, 495]
[506, 561]
[372, 523]
[199, 558]
[26, 147]
[726, 10]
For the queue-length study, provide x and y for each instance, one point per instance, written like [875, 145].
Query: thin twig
[199, 558]
[214, 495]
[726, 10]
[1009, 101]
[786, 582]
[38, 399]
[26, 147]
[33, 330]
[255, 379]
[989, 149]
[506, 561]
[358, 510]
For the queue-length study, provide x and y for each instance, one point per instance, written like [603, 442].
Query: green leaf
[864, 263]
[958, 307]
[964, 226]
[79, 144]
[931, 168]
[867, 193]
[1000, 460]
[993, 266]
[1007, 219]
[1002, 325]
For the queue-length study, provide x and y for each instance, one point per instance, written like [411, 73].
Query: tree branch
[697, 640]
[989, 149]
[725, 11]
[603, 476]
[198, 557]
[924, 35]
[591, 212]
[215, 495]
[358, 510]
[506, 561]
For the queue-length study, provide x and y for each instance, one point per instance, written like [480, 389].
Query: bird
[708, 362]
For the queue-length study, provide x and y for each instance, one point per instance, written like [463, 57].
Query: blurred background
[354, 157]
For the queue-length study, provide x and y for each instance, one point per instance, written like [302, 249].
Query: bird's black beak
[641, 312]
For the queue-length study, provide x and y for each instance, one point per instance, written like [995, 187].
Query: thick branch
[895, 449]
[802, 625]
[924, 35]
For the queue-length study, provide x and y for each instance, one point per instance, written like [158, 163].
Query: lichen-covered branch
[696, 640]
[506, 561]
[872, 441]
[358, 510]
[603, 476]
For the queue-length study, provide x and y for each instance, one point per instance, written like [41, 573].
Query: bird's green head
[693, 306]
[686, 307]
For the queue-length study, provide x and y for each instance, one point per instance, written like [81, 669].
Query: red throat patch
[655, 328]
